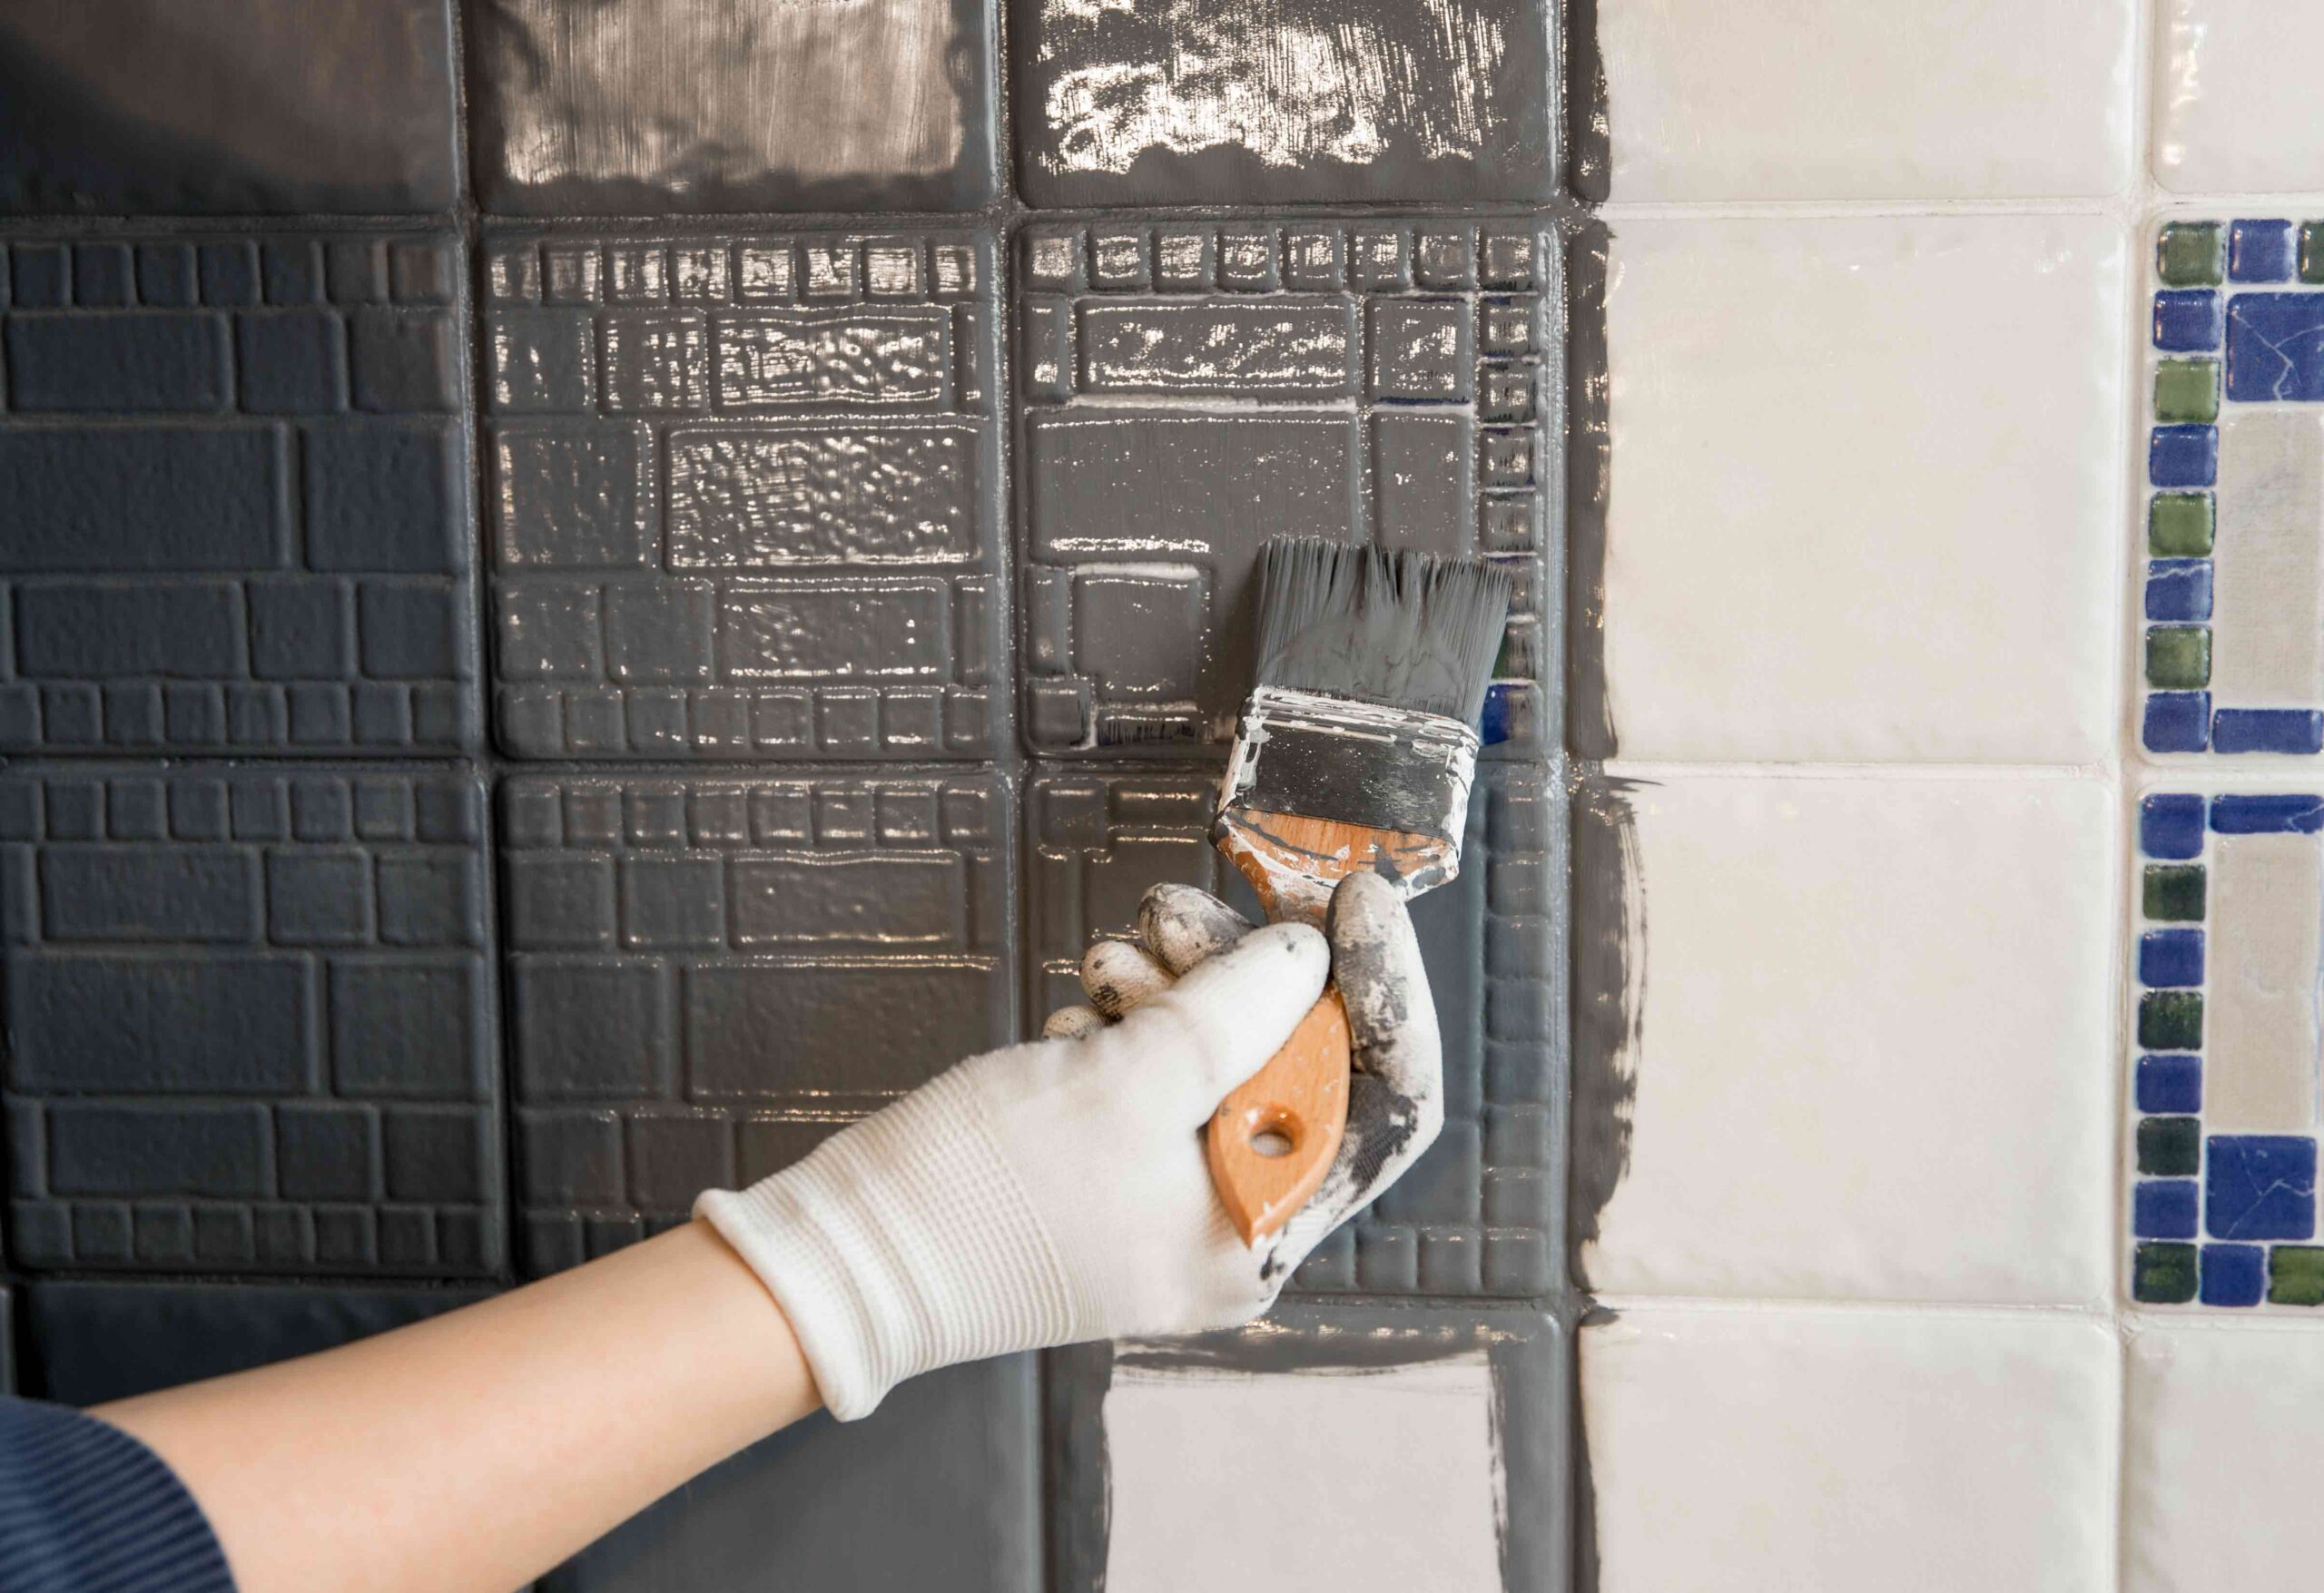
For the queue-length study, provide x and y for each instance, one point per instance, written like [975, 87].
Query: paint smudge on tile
[1608, 996]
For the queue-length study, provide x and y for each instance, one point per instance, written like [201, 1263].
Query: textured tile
[707, 977]
[2234, 97]
[640, 108]
[1904, 430]
[1822, 1448]
[1844, 1038]
[250, 1022]
[1475, 1400]
[941, 1489]
[744, 496]
[238, 496]
[91, 1342]
[1971, 99]
[1188, 391]
[231, 107]
[1478, 1214]
[1187, 102]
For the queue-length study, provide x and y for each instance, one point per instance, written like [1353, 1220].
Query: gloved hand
[1057, 1191]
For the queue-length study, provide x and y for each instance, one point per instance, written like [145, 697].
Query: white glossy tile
[2221, 1451]
[2235, 105]
[1860, 492]
[1835, 99]
[1823, 1451]
[1845, 1038]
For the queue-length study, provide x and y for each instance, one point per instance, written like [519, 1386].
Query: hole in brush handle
[1300, 1094]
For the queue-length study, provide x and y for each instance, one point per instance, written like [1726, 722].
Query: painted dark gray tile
[745, 497]
[89, 1343]
[228, 107]
[238, 496]
[250, 1021]
[706, 977]
[647, 107]
[1189, 391]
[1186, 102]
[8, 1343]
[1480, 1213]
[939, 1487]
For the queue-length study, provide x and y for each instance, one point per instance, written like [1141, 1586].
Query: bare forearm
[469, 1453]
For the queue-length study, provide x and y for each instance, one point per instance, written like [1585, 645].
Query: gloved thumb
[1218, 1025]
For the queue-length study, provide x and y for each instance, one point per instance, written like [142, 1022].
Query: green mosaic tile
[2178, 525]
[2179, 657]
[2171, 1020]
[2171, 1148]
[2174, 892]
[2311, 253]
[2295, 1275]
[2186, 389]
[2163, 1274]
[2190, 254]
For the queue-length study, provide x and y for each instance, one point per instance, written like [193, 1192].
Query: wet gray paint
[1589, 132]
[1610, 979]
[1589, 480]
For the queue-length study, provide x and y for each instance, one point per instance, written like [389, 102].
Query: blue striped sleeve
[86, 1508]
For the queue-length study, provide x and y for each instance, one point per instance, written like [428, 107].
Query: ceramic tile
[939, 1489]
[89, 1342]
[744, 496]
[1826, 1448]
[1478, 1214]
[1187, 391]
[2234, 105]
[1187, 102]
[1473, 1401]
[1970, 99]
[238, 500]
[250, 1021]
[1843, 1038]
[1904, 431]
[7, 1344]
[706, 977]
[228, 107]
[2233, 603]
[638, 107]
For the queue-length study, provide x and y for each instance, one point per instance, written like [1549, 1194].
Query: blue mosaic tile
[2259, 1186]
[2179, 589]
[2266, 814]
[2170, 1083]
[2163, 1208]
[2183, 456]
[2170, 958]
[2275, 347]
[2234, 1274]
[2176, 721]
[2186, 319]
[2260, 251]
[2268, 730]
[2172, 826]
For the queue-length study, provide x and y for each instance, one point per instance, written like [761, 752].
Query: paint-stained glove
[1057, 1191]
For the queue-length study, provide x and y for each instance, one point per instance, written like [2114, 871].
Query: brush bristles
[1407, 630]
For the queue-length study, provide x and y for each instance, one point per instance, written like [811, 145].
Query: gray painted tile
[644, 107]
[1482, 1212]
[1189, 391]
[706, 977]
[939, 1487]
[745, 497]
[1185, 101]
[8, 1343]
[238, 496]
[228, 107]
[250, 1021]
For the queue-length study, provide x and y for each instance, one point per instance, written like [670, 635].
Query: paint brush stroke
[1609, 977]
[1588, 482]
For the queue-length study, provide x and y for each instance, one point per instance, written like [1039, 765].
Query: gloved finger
[1071, 1023]
[1216, 1026]
[1376, 963]
[1182, 926]
[1119, 976]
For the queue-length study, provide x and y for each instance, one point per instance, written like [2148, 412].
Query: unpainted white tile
[1835, 99]
[1832, 1452]
[2235, 102]
[1861, 1037]
[1864, 481]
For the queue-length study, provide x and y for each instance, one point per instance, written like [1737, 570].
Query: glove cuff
[902, 1243]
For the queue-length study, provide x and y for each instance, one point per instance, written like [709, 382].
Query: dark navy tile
[2186, 319]
[2163, 1208]
[751, 107]
[2234, 1274]
[2170, 958]
[243, 1033]
[2179, 589]
[2275, 347]
[263, 107]
[2246, 813]
[2259, 251]
[2170, 1083]
[2267, 730]
[2176, 721]
[745, 497]
[2259, 1186]
[1394, 391]
[2183, 456]
[2170, 825]
[706, 977]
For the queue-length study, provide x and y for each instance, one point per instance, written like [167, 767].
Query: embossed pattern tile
[236, 496]
[707, 977]
[1187, 391]
[744, 496]
[250, 1022]
[1479, 1213]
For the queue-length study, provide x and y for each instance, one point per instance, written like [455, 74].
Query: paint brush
[1355, 751]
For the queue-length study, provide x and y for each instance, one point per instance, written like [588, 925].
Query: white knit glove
[1059, 1191]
